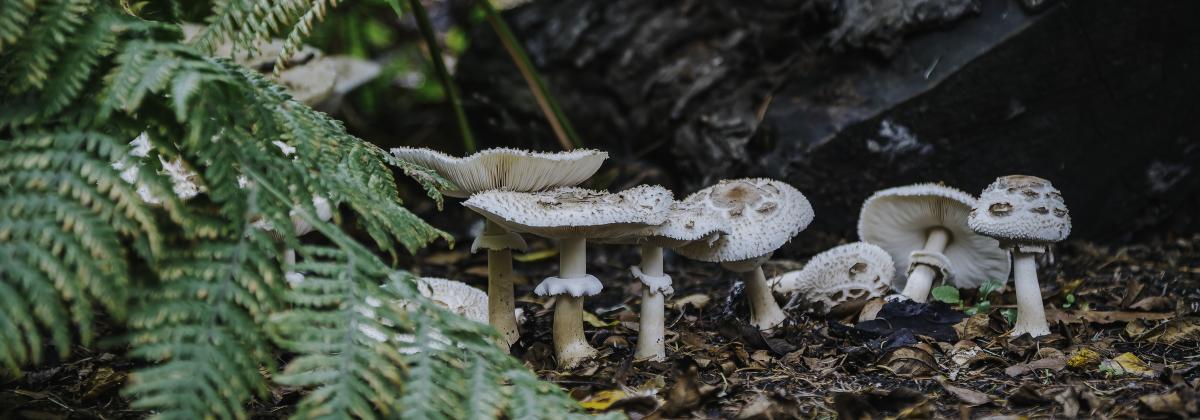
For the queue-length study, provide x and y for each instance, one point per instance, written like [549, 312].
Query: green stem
[439, 67]
[558, 120]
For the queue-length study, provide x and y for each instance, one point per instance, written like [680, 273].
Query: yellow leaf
[596, 322]
[1127, 363]
[1083, 358]
[536, 255]
[602, 400]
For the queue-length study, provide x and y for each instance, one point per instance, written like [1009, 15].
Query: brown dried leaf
[968, 396]
[1154, 304]
[1052, 363]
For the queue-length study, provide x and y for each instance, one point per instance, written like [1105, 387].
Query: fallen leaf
[1052, 363]
[872, 403]
[532, 256]
[595, 322]
[911, 361]
[1103, 317]
[445, 258]
[600, 401]
[968, 396]
[698, 301]
[1083, 358]
[1168, 403]
[1182, 329]
[870, 310]
[765, 406]
[974, 327]
[1154, 304]
[1126, 364]
[1027, 395]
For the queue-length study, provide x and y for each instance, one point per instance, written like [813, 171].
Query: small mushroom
[1026, 214]
[924, 228]
[510, 170]
[572, 215]
[456, 296]
[686, 223]
[843, 273]
[763, 214]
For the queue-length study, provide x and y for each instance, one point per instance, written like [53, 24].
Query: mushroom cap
[686, 222]
[899, 219]
[763, 214]
[456, 296]
[351, 72]
[507, 169]
[570, 212]
[1021, 209]
[840, 274]
[311, 82]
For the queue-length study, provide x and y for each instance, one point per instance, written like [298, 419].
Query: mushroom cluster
[912, 238]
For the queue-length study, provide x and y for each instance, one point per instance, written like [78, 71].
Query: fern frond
[199, 328]
[39, 47]
[14, 20]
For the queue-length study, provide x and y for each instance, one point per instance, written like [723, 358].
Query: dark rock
[843, 97]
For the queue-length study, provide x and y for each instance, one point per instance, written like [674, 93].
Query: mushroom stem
[501, 305]
[1031, 315]
[651, 322]
[570, 345]
[764, 311]
[920, 281]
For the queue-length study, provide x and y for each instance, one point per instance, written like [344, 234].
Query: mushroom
[1026, 214]
[763, 214]
[456, 296]
[686, 222]
[843, 273]
[572, 215]
[924, 228]
[511, 170]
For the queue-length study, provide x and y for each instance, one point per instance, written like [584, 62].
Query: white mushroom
[843, 273]
[1026, 214]
[686, 222]
[456, 296]
[763, 214]
[509, 170]
[572, 215]
[924, 228]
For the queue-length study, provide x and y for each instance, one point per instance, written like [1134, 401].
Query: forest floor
[1126, 343]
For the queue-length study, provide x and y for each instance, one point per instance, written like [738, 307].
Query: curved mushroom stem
[1031, 315]
[570, 345]
[920, 281]
[764, 311]
[501, 304]
[651, 323]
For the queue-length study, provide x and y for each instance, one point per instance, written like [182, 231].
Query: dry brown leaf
[697, 300]
[911, 361]
[445, 258]
[1052, 363]
[1103, 317]
[1182, 329]
[1168, 403]
[966, 395]
[973, 327]
[1154, 304]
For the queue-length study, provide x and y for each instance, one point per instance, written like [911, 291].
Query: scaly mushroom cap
[456, 296]
[899, 219]
[507, 169]
[686, 222]
[843, 273]
[570, 212]
[1022, 210]
[762, 214]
